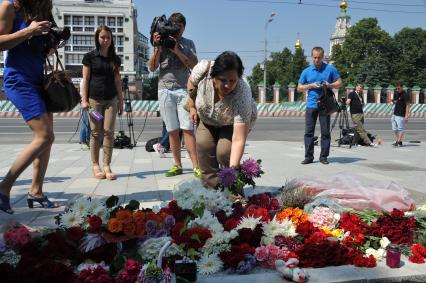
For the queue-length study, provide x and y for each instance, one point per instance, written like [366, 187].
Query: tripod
[342, 117]
[129, 111]
[122, 140]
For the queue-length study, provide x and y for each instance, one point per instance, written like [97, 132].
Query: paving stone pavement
[141, 176]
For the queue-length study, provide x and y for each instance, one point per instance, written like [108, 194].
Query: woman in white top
[226, 111]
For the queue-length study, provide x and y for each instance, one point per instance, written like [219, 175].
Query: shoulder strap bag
[59, 93]
[193, 91]
[327, 103]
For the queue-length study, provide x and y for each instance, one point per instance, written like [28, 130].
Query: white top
[237, 107]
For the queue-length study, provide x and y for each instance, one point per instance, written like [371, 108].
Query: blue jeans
[84, 126]
[310, 122]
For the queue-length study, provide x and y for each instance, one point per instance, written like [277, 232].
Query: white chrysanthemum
[219, 242]
[384, 242]
[71, 219]
[82, 207]
[86, 265]
[378, 254]
[248, 222]
[422, 207]
[190, 194]
[208, 221]
[209, 264]
[275, 228]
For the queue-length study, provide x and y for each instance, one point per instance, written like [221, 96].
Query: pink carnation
[261, 253]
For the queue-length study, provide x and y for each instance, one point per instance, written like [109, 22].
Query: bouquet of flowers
[235, 178]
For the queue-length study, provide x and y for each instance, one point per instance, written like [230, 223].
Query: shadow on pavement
[345, 160]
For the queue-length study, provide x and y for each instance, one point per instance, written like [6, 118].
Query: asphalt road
[15, 131]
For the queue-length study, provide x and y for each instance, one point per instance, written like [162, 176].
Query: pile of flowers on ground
[100, 240]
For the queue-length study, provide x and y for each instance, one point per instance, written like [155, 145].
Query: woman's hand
[85, 104]
[193, 116]
[39, 28]
[120, 106]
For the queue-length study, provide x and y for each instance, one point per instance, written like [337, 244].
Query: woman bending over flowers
[226, 111]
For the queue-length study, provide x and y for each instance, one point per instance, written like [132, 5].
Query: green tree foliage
[372, 56]
[150, 88]
[283, 67]
[410, 63]
[366, 46]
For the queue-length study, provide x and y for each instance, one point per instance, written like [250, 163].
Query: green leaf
[133, 205]
[199, 210]
[195, 237]
[111, 201]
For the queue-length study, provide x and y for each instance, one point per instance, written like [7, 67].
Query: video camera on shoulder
[166, 29]
[56, 38]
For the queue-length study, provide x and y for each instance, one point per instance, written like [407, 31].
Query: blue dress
[23, 73]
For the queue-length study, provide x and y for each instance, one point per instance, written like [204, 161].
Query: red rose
[417, 258]
[95, 222]
[305, 229]
[230, 224]
[275, 204]
[75, 233]
[362, 261]
[256, 212]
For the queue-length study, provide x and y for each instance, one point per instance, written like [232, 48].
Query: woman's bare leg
[42, 128]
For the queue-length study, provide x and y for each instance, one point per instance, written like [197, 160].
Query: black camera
[166, 29]
[56, 38]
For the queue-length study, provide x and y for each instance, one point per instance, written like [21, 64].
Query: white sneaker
[373, 144]
[159, 149]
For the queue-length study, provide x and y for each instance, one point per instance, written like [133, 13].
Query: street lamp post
[270, 19]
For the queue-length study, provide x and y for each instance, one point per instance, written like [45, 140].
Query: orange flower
[129, 229]
[140, 228]
[303, 218]
[125, 216]
[139, 216]
[115, 225]
[297, 212]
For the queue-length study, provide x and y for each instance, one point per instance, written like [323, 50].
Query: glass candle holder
[393, 256]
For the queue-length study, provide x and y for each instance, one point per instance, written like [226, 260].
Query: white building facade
[83, 17]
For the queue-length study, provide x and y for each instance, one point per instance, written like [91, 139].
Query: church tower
[342, 26]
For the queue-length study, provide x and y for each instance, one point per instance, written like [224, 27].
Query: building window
[83, 48]
[89, 20]
[119, 29]
[73, 59]
[120, 49]
[89, 29]
[67, 20]
[67, 48]
[77, 20]
[120, 21]
[77, 28]
[83, 40]
[111, 21]
[119, 40]
[101, 21]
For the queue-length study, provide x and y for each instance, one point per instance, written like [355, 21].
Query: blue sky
[239, 25]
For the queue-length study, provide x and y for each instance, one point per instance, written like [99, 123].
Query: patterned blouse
[237, 107]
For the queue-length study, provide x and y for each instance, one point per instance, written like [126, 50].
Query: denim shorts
[171, 109]
[397, 123]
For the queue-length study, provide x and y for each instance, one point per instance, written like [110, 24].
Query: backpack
[150, 143]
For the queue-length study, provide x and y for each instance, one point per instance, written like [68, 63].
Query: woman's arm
[239, 138]
[119, 89]
[9, 40]
[85, 87]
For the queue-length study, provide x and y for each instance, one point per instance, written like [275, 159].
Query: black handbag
[59, 93]
[327, 103]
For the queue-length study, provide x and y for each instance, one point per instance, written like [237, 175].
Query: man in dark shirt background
[356, 103]
[401, 112]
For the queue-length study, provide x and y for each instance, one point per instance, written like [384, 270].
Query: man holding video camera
[312, 79]
[356, 103]
[175, 55]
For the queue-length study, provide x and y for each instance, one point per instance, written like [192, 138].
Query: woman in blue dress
[23, 29]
